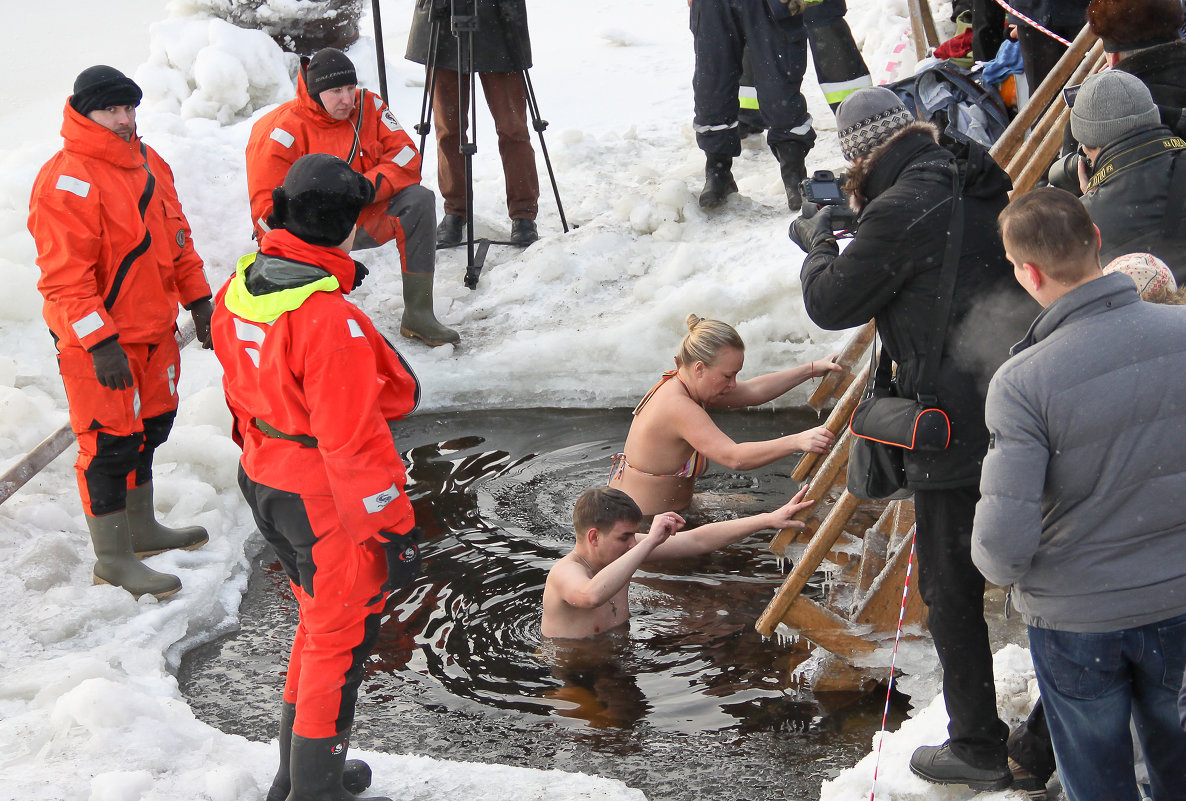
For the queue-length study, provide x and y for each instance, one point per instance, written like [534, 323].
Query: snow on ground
[89, 707]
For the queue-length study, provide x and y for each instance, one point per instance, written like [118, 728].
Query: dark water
[692, 703]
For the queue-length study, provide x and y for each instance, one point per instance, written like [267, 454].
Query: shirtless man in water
[588, 590]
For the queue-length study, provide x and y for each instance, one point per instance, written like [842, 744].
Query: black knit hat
[102, 86]
[328, 69]
[320, 200]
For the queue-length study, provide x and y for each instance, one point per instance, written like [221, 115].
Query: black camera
[823, 189]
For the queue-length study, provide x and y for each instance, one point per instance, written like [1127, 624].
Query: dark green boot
[356, 774]
[316, 769]
[150, 537]
[418, 320]
[116, 563]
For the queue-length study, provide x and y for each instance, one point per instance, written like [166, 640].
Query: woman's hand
[820, 367]
[814, 440]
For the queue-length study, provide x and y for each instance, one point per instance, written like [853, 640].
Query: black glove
[403, 557]
[201, 311]
[360, 272]
[809, 232]
[111, 365]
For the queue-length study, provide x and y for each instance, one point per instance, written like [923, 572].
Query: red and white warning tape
[1031, 22]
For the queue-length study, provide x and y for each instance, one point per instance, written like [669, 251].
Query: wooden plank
[821, 485]
[834, 383]
[882, 604]
[837, 422]
[826, 629]
[817, 549]
[834, 675]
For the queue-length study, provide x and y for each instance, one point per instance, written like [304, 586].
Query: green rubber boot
[316, 766]
[150, 537]
[419, 320]
[356, 774]
[116, 563]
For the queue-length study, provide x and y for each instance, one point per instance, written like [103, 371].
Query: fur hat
[1127, 25]
[1109, 105]
[101, 86]
[320, 200]
[868, 118]
[328, 69]
[1153, 277]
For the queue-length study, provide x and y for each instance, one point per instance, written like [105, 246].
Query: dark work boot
[718, 181]
[523, 232]
[449, 230]
[150, 537]
[316, 768]
[356, 774]
[116, 564]
[937, 763]
[419, 321]
[792, 157]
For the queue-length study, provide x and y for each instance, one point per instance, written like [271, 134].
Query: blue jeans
[1091, 685]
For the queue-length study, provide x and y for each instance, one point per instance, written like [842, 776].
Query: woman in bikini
[672, 439]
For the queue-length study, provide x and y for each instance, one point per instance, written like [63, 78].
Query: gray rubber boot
[316, 766]
[117, 564]
[419, 320]
[150, 537]
[356, 774]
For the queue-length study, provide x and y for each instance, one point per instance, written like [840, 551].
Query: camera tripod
[462, 17]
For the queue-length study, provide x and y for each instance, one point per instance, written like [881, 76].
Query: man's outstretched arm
[710, 537]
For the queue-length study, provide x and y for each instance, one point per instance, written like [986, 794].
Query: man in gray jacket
[1081, 507]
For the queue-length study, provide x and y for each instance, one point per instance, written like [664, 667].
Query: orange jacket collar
[88, 138]
[314, 111]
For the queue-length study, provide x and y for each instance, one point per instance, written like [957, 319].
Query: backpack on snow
[964, 109]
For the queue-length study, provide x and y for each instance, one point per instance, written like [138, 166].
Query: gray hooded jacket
[1083, 506]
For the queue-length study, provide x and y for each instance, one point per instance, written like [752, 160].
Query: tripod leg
[430, 84]
[540, 125]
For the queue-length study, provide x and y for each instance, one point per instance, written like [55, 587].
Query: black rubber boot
[356, 774]
[316, 767]
[718, 181]
[523, 232]
[937, 763]
[449, 231]
[418, 320]
[116, 564]
[792, 158]
[150, 537]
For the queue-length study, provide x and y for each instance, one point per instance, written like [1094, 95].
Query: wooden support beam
[817, 549]
[922, 27]
[837, 423]
[821, 485]
[881, 605]
[835, 383]
[834, 675]
[826, 629]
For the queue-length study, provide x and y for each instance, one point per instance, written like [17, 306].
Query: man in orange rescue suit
[331, 114]
[312, 387]
[116, 259]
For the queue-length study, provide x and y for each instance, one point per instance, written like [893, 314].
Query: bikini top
[696, 465]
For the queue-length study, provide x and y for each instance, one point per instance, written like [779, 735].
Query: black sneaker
[449, 230]
[936, 763]
[523, 232]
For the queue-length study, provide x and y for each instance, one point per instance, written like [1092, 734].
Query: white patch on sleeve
[252, 354]
[283, 137]
[172, 373]
[377, 100]
[136, 402]
[87, 325]
[354, 328]
[404, 156]
[390, 121]
[68, 183]
[378, 502]
[248, 332]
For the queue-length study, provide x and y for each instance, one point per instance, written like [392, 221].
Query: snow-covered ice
[89, 706]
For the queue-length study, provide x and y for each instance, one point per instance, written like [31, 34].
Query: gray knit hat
[1109, 105]
[868, 118]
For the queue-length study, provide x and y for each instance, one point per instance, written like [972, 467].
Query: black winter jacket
[890, 271]
[1163, 69]
[1129, 205]
[501, 42]
[1065, 14]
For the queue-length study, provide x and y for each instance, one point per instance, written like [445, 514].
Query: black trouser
[953, 590]
[1030, 745]
[721, 29]
[1040, 52]
[988, 29]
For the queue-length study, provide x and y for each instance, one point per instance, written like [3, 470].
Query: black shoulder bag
[885, 426]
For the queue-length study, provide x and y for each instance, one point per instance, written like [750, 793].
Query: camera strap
[1175, 205]
[1117, 162]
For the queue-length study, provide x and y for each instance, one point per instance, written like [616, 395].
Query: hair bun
[693, 320]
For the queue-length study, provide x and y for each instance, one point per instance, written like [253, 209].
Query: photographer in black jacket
[901, 184]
